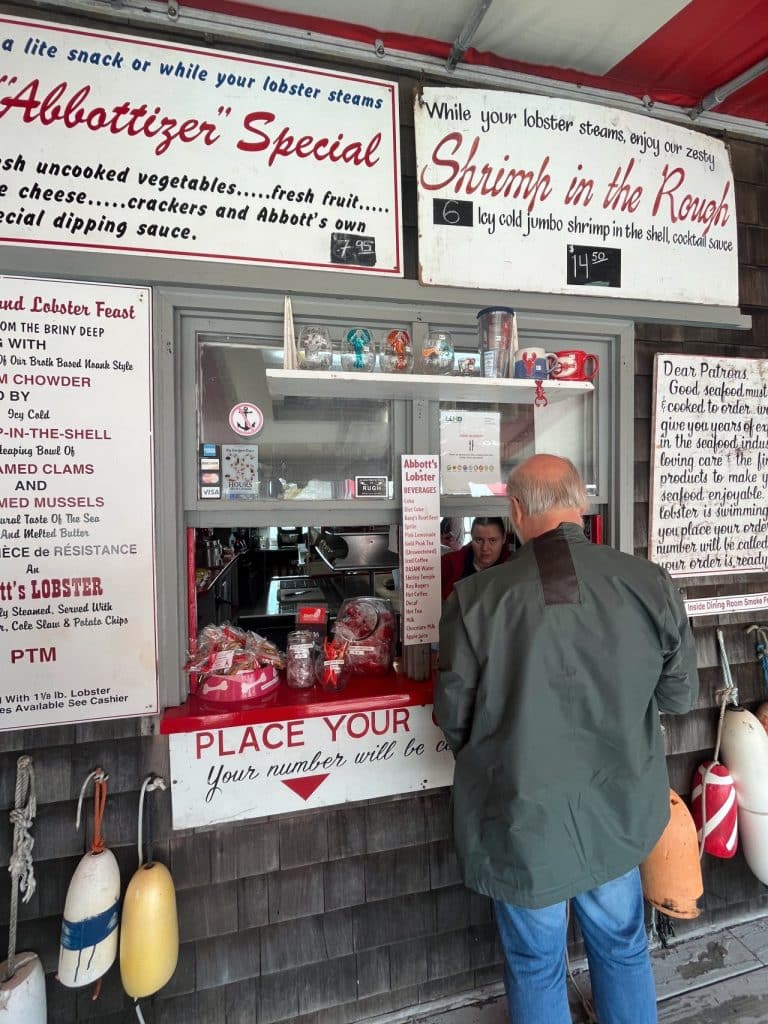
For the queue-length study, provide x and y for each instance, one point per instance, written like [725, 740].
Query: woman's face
[487, 542]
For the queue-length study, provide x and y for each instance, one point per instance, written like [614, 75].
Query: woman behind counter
[487, 547]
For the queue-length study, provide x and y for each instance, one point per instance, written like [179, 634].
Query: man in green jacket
[553, 669]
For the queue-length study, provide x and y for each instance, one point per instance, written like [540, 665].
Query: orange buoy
[671, 873]
[761, 714]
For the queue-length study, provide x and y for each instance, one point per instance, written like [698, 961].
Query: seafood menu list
[77, 598]
[421, 548]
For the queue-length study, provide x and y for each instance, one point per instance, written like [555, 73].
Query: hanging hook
[151, 782]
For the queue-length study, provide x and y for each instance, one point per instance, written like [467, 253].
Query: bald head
[545, 491]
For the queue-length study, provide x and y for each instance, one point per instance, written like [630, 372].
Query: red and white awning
[657, 51]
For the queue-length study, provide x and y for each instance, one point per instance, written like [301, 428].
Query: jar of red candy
[367, 624]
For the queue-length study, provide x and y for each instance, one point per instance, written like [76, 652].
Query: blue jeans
[612, 924]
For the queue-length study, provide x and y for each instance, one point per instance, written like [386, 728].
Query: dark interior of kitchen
[257, 578]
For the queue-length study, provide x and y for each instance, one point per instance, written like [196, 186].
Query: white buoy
[22, 995]
[744, 750]
[91, 913]
[91, 910]
[753, 833]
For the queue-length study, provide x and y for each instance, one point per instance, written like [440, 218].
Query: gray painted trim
[624, 439]
[428, 302]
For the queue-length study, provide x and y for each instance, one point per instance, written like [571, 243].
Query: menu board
[120, 144]
[470, 449]
[421, 548]
[77, 598]
[709, 474]
[518, 192]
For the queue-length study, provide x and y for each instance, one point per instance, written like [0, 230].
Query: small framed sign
[371, 487]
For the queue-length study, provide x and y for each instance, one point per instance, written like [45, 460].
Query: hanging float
[714, 810]
[22, 981]
[149, 932]
[91, 910]
[671, 873]
[744, 746]
[745, 751]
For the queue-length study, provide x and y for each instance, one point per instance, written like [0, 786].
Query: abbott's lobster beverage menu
[77, 596]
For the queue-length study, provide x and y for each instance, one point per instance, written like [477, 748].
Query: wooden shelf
[387, 386]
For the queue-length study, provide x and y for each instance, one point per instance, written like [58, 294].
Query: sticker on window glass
[246, 419]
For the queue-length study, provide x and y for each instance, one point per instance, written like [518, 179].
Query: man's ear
[515, 510]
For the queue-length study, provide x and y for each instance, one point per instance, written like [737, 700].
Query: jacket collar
[572, 531]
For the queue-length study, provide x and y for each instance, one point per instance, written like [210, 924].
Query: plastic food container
[495, 332]
[239, 686]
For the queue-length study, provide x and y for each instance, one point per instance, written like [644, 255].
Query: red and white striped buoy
[744, 750]
[714, 809]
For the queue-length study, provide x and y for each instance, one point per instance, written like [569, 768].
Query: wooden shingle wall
[729, 885]
[317, 918]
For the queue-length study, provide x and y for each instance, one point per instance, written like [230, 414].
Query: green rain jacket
[553, 669]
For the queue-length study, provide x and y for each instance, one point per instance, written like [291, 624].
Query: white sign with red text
[140, 146]
[420, 475]
[553, 195]
[77, 596]
[251, 771]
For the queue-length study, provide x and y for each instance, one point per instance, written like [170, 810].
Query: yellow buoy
[671, 873]
[149, 929]
[149, 932]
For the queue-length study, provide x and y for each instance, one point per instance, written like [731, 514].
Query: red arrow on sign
[305, 787]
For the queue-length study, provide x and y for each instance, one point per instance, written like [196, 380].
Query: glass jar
[437, 353]
[315, 349]
[357, 350]
[331, 667]
[396, 355]
[300, 659]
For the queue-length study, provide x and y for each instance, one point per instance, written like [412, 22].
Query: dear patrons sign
[135, 146]
[550, 195]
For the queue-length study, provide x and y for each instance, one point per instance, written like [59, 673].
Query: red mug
[575, 364]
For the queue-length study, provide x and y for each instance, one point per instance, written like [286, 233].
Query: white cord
[97, 775]
[151, 782]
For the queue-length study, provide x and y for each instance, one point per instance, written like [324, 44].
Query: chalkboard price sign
[353, 250]
[453, 213]
[593, 266]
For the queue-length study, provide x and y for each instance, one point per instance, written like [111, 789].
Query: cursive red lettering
[698, 209]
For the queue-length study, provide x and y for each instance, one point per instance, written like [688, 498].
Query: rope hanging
[761, 649]
[20, 866]
[151, 783]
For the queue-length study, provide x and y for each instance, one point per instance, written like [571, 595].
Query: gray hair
[538, 495]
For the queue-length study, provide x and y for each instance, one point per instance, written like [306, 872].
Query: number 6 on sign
[453, 212]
